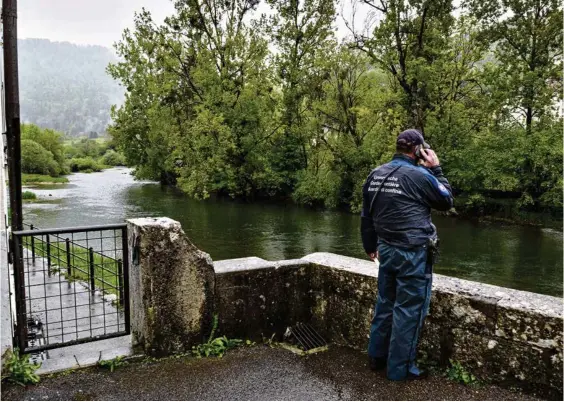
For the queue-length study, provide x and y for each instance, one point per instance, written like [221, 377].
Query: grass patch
[29, 195]
[112, 364]
[105, 268]
[42, 179]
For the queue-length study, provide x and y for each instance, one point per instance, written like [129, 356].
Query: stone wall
[171, 287]
[255, 298]
[502, 335]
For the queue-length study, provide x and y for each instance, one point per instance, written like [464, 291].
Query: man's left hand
[430, 158]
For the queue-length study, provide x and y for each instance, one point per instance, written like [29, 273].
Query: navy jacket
[401, 214]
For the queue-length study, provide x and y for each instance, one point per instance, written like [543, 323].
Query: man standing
[396, 228]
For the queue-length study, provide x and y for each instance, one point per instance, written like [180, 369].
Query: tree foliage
[45, 152]
[36, 159]
[221, 100]
[50, 140]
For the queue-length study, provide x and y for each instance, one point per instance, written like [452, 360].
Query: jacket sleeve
[436, 190]
[367, 231]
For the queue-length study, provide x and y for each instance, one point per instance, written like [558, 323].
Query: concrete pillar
[171, 287]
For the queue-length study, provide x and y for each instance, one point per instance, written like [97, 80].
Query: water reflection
[519, 257]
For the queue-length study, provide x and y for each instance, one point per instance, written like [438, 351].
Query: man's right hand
[374, 256]
[430, 158]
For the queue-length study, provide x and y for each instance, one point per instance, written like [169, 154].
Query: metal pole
[32, 247]
[91, 263]
[125, 258]
[12, 103]
[48, 247]
[120, 281]
[69, 271]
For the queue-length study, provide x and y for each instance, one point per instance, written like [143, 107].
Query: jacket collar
[405, 158]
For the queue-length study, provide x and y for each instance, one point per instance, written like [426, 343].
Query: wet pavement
[251, 373]
[83, 355]
[60, 310]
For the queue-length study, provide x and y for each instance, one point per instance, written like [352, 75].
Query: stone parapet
[255, 298]
[502, 335]
[171, 287]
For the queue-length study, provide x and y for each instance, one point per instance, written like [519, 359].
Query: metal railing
[72, 251]
[71, 285]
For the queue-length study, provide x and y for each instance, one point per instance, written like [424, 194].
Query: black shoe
[422, 375]
[377, 363]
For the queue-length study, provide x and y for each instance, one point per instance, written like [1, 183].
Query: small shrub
[526, 201]
[215, 346]
[112, 364]
[458, 373]
[36, 159]
[29, 195]
[84, 165]
[19, 370]
[476, 204]
[113, 158]
[50, 140]
[84, 148]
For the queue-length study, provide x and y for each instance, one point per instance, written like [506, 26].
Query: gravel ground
[252, 373]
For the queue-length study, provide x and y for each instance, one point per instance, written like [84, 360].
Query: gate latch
[135, 250]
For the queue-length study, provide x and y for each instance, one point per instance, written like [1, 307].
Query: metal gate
[71, 285]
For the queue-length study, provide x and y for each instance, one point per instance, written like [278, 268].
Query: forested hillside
[65, 86]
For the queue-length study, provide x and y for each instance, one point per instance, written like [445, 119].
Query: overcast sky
[85, 22]
[96, 22]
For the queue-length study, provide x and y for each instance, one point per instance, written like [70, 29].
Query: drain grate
[306, 338]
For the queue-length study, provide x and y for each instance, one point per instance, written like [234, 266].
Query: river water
[518, 257]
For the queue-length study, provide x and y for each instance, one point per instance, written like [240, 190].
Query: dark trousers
[404, 294]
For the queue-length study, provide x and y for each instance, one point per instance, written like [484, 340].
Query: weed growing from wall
[216, 346]
[112, 364]
[458, 373]
[18, 369]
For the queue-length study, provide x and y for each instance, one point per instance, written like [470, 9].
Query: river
[518, 257]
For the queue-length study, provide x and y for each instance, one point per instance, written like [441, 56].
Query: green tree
[526, 36]
[350, 138]
[36, 159]
[50, 140]
[85, 148]
[200, 99]
[435, 65]
[112, 158]
[525, 79]
[409, 42]
[302, 33]
[212, 108]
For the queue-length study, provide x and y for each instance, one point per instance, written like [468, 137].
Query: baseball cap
[412, 137]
